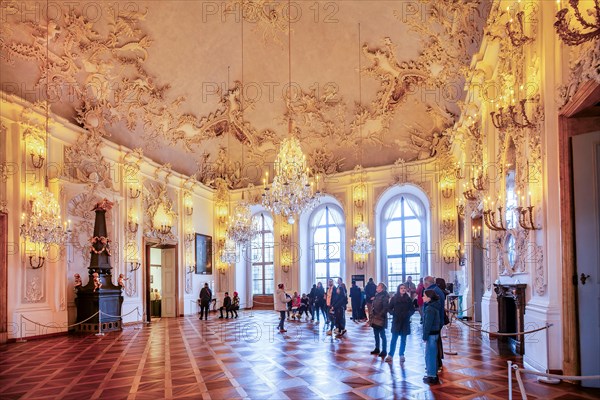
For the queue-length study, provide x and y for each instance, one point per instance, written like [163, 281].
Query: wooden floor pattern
[245, 358]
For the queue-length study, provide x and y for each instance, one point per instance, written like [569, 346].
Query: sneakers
[402, 359]
[376, 351]
[383, 354]
[282, 331]
[388, 359]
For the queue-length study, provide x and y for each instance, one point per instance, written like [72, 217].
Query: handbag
[377, 321]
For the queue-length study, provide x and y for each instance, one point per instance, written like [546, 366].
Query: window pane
[333, 250]
[323, 220]
[268, 254]
[393, 282]
[269, 271]
[257, 287]
[413, 227]
[334, 269]
[320, 235]
[394, 266]
[323, 281]
[320, 270]
[269, 287]
[334, 234]
[393, 229]
[394, 246]
[256, 272]
[413, 265]
[397, 211]
[320, 250]
[412, 245]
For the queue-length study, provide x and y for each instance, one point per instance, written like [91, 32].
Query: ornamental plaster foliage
[34, 291]
[154, 195]
[85, 163]
[221, 169]
[539, 283]
[324, 162]
[446, 55]
[487, 273]
[79, 208]
[584, 65]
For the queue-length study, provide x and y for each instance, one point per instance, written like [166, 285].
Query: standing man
[280, 304]
[205, 298]
[370, 290]
[429, 284]
[411, 289]
[356, 301]
[329, 298]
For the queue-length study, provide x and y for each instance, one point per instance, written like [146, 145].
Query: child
[295, 306]
[431, 331]
[235, 305]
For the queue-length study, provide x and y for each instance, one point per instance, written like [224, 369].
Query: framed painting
[203, 254]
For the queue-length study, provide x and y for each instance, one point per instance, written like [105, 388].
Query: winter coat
[402, 308]
[431, 320]
[280, 301]
[380, 308]
[370, 291]
[339, 302]
[319, 296]
[205, 296]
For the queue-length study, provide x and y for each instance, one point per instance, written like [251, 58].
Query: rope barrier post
[100, 333]
[509, 380]
[20, 339]
[137, 321]
[546, 379]
[450, 352]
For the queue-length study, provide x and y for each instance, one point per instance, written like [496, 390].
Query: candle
[529, 199]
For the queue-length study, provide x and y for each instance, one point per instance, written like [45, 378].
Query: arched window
[261, 257]
[404, 238]
[327, 243]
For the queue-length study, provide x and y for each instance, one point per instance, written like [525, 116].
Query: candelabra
[505, 118]
[489, 217]
[475, 232]
[459, 173]
[359, 194]
[526, 218]
[241, 228]
[228, 251]
[39, 263]
[448, 223]
[37, 162]
[589, 30]
[360, 260]
[478, 180]
[164, 229]
[285, 267]
[447, 191]
[449, 259]
[460, 210]
[517, 35]
[362, 242]
[132, 226]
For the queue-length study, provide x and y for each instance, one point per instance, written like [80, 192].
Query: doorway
[161, 281]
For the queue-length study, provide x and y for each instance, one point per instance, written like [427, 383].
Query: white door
[169, 280]
[586, 184]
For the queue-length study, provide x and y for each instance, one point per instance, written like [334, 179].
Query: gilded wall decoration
[584, 66]
[84, 162]
[156, 199]
[539, 283]
[513, 251]
[267, 17]
[79, 210]
[324, 162]
[34, 288]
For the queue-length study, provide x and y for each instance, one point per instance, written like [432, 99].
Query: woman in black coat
[379, 319]
[402, 308]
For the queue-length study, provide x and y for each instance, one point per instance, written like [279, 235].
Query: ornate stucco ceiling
[166, 77]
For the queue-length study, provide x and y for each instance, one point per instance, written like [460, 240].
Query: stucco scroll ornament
[156, 196]
[85, 163]
[584, 66]
[324, 162]
[268, 17]
[539, 282]
[512, 250]
[34, 291]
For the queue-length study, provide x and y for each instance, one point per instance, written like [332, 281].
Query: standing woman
[431, 332]
[402, 308]
[379, 318]
[280, 304]
[420, 290]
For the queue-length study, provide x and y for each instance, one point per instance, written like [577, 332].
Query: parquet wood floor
[184, 358]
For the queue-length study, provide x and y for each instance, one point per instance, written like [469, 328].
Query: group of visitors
[230, 305]
[430, 299]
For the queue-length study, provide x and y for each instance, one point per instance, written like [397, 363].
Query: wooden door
[169, 282]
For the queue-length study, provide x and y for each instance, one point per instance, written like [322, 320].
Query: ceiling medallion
[291, 193]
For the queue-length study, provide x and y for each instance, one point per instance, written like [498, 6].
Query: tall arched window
[404, 234]
[262, 249]
[327, 242]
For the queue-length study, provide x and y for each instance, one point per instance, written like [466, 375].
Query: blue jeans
[380, 332]
[431, 355]
[281, 320]
[394, 341]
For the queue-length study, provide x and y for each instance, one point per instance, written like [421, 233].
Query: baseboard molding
[37, 337]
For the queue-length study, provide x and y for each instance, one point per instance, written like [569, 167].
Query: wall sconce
[37, 147]
[188, 204]
[460, 255]
[448, 222]
[526, 218]
[222, 211]
[285, 239]
[459, 172]
[460, 210]
[478, 180]
[449, 259]
[222, 269]
[447, 191]
[359, 194]
[190, 269]
[470, 195]
[164, 229]
[489, 217]
[285, 268]
[134, 265]
[573, 37]
[39, 263]
[135, 191]
[512, 117]
[516, 35]
[37, 160]
[360, 260]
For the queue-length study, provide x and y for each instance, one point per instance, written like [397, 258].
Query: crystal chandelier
[228, 253]
[290, 193]
[362, 242]
[42, 224]
[241, 229]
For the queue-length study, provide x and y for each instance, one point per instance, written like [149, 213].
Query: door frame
[570, 125]
[148, 244]
[3, 278]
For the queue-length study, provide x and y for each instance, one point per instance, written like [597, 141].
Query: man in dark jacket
[429, 284]
[205, 298]
[226, 305]
[369, 295]
[356, 299]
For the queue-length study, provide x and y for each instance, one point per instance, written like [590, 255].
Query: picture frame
[203, 248]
